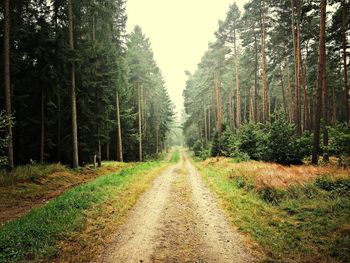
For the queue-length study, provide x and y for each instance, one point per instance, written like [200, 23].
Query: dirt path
[178, 220]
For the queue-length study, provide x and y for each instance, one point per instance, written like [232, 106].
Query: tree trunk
[42, 140]
[296, 47]
[305, 102]
[214, 107]
[231, 111]
[263, 53]
[320, 81]
[205, 125]
[290, 96]
[250, 103]
[140, 124]
[99, 159]
[58, 124]
[73, 91]
[283, 92]
[219, 105]
[238, 90]
[209, 123]
[256, 88]
[119, 131]
[8, 108]
[58, 91]
[334, 107]
[107, 151]
[346, 87]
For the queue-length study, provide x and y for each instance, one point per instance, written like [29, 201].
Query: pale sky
[179, 31]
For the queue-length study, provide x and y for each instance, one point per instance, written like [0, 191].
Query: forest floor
[31, 187]
[179, 220]
[295, 213]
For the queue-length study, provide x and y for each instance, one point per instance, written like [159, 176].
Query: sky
[179, 31]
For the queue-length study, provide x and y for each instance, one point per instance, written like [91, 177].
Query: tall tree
[266, 112]
[321, 81]
[75, 158]
[8, 107]
[344, 27]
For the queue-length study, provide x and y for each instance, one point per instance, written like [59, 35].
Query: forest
[77, 85]
[113, 148]
[274, 84]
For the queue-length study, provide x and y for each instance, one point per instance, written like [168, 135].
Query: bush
[284, 146]
[271, 195]
[3, 138]
[252, 140]
[339, 186]
[306, 143]
[228, 146]
[339, 142]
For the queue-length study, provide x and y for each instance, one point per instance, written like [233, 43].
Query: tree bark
[290, 96]
[119, 131]
[231, 113]
[99, 157]
[296, 47]
[256, 88]
[346, 87]
[8, 107]
[263, 53]
[334, 107]
[283, 92]
[42, 140]
[320, 81]
[140, 123]
[205, 125]
[75, 157]
[238, 90]
[209, 123]
[219, 105]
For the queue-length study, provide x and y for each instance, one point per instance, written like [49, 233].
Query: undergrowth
[299, 223]
[29, 172]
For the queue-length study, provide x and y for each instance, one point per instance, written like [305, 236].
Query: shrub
[339, 142]
[4, 121]
[335, 186]
[306, 143]
[282, 142]
[271, 195]
[215, 148]
[197, 148]
[227, 145]
[252, 140]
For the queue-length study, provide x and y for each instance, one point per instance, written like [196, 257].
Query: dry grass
[276, 175]
[293, 216]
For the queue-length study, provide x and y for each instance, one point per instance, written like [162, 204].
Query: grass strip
[38, 235]
[175, 157]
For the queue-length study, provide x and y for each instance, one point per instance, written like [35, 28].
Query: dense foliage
[106, 61]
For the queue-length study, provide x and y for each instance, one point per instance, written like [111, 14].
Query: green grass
[36, 236]
[29, 172]
[297, 224]
[175, 157]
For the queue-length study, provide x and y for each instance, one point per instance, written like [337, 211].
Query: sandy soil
[178, 220]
